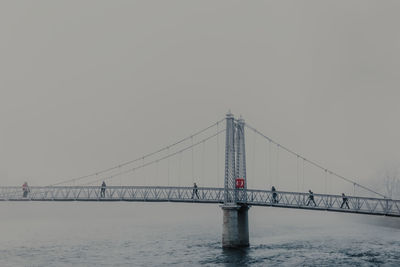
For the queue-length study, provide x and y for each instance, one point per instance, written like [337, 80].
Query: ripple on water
[121, 237]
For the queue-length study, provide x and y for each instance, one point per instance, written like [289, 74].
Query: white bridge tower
[235, 218]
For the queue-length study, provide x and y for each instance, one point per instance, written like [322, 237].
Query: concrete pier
[235, 232]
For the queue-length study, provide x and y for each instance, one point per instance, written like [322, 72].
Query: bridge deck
[363, 205]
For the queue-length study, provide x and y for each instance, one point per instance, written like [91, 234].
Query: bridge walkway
[252, 197]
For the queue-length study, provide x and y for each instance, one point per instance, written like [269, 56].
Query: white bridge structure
[363, 205]
[234, 197]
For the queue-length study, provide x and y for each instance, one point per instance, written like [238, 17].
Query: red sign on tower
[239, 183]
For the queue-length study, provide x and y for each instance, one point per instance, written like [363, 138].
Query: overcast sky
[88, 84]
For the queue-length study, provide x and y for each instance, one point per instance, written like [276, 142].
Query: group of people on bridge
[310, 199]
[275, 200]
[26, 190]
[195, 193]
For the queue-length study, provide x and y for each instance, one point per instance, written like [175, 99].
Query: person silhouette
[345, 201]
[103, 189]
[311, 198]
[274, 195]
[195, 191]
[25, 189]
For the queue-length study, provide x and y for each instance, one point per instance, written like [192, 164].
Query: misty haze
[188, 133]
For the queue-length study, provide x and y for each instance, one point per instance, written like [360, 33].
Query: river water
[155, 234]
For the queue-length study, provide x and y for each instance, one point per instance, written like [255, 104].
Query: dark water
[155, 234]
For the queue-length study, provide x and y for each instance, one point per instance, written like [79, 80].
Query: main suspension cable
[314, 163]
[156, 160]
[137, 159]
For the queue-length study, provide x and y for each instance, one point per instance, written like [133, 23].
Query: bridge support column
[235, 209]
[235, 232]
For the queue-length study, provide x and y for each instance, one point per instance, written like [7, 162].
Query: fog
[85, 85]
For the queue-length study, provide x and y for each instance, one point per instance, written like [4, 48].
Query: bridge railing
[378, 206]
[127, 193]
[324, 202]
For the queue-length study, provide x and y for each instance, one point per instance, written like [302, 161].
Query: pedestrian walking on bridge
[274, 195]
[345, 201]
[311, 198]
[195, 191]
[25, 189]
[103, 190]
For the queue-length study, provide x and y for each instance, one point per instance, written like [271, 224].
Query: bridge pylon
[235, 210]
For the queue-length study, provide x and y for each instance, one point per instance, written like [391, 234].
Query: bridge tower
[235, 211]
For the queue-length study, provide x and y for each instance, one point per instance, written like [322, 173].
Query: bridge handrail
[321, 195]
[257, 197]
[19, 189]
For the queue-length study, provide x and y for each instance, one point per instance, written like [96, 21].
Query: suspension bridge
[169, 174]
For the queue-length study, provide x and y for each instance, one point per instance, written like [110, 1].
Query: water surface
[154, 234]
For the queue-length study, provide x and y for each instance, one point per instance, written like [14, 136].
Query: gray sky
[88, 84]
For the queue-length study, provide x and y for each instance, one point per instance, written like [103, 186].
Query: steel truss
[251, 197]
